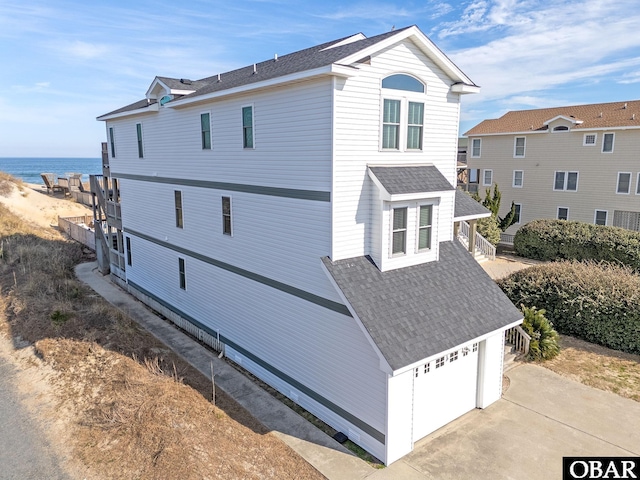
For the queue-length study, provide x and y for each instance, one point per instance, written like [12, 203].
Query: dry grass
[135, 409]
[7, 183]
[598, 367]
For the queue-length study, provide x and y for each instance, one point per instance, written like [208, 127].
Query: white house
[300, 210]
[577, 162]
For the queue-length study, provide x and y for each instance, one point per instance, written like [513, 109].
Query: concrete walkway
[541, 418]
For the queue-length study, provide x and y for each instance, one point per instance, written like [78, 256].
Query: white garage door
[444, 389]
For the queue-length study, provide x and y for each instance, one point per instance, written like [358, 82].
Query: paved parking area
[541, 418]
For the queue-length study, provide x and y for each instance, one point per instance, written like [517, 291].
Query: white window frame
[514, 185]
[595, 140]
[566, 180]
[473, 155]
[253, 125]
[515, 147]
[112, 141]
[558, 213]
[430, 227]
[618, 192]
[484, 177]
[179, 224]
[412, 229]
[519, 211]
[140, 141]
[182, 274]
[595, 216]
[613, 141]
[404, 96]
[210, 131]
[230, 233]
[393, 209]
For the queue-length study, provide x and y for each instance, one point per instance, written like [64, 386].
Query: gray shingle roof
[467, 207]
[307, 59]
[411, 179]
[419, 311]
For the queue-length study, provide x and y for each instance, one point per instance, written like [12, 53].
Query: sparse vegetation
[137, 410]
[7, 183]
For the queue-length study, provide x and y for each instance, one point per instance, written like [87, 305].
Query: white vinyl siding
[624, 183]
[519, 145]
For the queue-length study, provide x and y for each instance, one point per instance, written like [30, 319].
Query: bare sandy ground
[36, 206]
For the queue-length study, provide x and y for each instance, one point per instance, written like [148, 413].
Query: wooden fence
[79, 228]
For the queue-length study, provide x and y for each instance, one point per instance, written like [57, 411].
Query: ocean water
[29, 169]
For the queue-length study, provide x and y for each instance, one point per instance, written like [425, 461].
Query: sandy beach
[35, 205]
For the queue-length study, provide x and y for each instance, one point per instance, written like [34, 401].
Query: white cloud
[85, 50]
[368, 11]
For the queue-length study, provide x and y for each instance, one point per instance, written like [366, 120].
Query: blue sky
[66, 62]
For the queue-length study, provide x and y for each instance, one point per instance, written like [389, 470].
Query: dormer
[412, 214]
[164, 89]
[561, 123]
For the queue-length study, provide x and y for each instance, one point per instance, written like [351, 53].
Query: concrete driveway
[541, 418]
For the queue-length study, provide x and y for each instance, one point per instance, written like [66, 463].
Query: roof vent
[600, 116]
[625, 106]
[275, 57]
[185, 81]
[219, 80]
[633, 117]
[254, 69]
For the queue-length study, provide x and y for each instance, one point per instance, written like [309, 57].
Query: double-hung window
[519, 147]
[226, 215]
[476, 147]
[624, 183]
[139, 134]
[402, 113]
[607, 143]
[566, 181]
[414, 126]
[518, 178]
[178, 207]
[128, 241]
[205, 130]
[487, 178]
[182, 272]
[399, 234]
[600, 217]
[518, 212]
[424, 227]
[247, 127]
[391, 125]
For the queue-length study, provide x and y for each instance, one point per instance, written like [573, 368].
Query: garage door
[444, 389]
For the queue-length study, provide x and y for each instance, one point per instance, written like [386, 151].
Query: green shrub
[489, 229]
[563, 240]
[544, 339]
[598, 302]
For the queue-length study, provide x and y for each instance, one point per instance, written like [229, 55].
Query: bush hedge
[598, 302]
[563, 240]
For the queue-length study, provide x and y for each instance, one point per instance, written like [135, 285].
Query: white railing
[506, 238]
[482, 244]
[520, 339]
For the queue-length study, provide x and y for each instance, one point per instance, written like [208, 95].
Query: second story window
[247, 127]
[399, 234]
[139, 133]
[414, 126]
[519, 147]
[589, 139]
[476, 146]
[178, 207]
[112, 142]
[205, 130]
[624, 183]
[566, 181]
[391, 125]
[518, 178]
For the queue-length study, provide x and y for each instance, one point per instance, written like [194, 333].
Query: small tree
[544, 339]
[492, 202]
[488, 228]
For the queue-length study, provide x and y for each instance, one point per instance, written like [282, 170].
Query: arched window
[403, 82]
[561, 128]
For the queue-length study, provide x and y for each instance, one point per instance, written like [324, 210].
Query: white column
[490, 360]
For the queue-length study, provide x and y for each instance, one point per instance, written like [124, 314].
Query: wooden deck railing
[520, 339]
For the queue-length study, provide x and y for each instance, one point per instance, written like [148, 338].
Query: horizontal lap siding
[357, 140]
[292, 146]
[547, 153]
[279, 238]
[323, 350]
